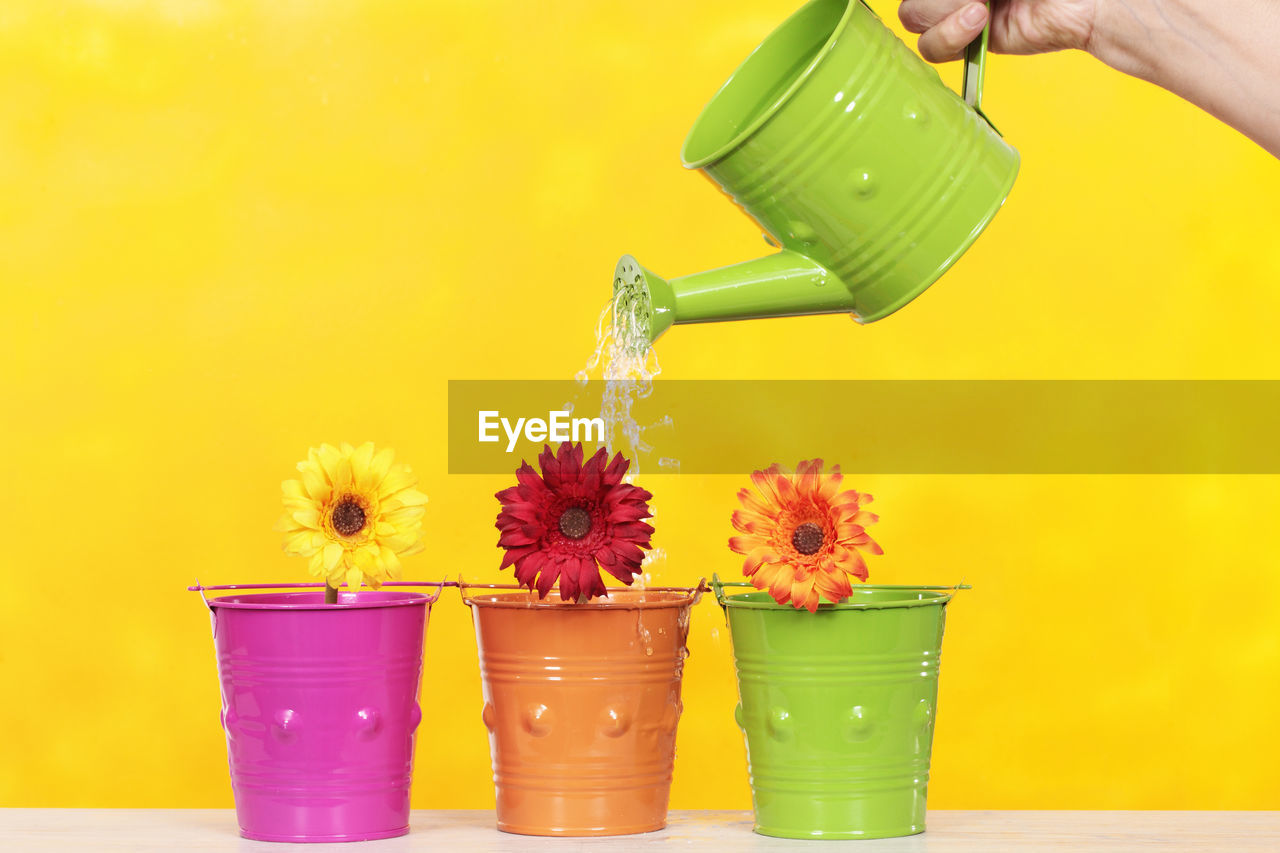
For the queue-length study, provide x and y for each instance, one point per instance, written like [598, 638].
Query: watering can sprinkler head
[641, 299]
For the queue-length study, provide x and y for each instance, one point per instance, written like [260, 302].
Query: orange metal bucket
[581, 702]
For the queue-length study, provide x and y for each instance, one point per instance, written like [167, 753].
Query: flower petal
[360, 460]
[800, 593]
[834, 586]
[328, 458]
[308, 518]
[378, 469]
[788, 494]
[808, 475]
[286, 524]
[398, 478]
[753, 503]
[745, 544]
[409, 497]
[332, 555]
[547, 578]
[757, 557]
[403, 515]
[830, 484]
[302, 543]
[391, 563]
[341, 473]
[617, 468]
[766, 482]
[849, 560]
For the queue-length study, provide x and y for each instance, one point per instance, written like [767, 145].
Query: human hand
[1219, 56]
[946, 27]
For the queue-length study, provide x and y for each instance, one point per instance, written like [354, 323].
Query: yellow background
[231, 230]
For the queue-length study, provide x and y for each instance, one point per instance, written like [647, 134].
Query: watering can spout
[785, 284]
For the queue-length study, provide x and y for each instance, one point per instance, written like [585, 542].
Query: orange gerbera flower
[801, 534]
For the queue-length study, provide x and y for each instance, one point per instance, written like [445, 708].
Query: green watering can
[869, 174]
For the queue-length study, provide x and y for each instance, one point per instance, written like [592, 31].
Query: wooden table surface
[186, 830]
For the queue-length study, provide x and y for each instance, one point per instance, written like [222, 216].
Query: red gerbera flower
[572, 521]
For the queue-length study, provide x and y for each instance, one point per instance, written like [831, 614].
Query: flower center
[348, 518]
[808, 538]
[575, 522]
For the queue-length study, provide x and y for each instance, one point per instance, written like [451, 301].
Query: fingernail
[973, 14]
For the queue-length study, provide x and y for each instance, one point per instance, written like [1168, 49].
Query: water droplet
[802, 232]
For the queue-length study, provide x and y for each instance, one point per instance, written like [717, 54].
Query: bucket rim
[365, 599]
[203, 588]
[746, 601]
[516, 597]
[761, 118]
[757, 599]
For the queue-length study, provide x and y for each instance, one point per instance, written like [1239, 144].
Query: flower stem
[330, 594]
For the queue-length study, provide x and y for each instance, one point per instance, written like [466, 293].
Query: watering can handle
[975, 63]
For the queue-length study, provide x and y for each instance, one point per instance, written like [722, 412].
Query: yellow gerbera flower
[355, 513]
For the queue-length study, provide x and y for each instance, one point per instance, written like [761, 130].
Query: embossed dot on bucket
[916, 114]
[865, 185]
[860, 724]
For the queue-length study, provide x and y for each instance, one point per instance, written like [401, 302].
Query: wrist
[1124, 37]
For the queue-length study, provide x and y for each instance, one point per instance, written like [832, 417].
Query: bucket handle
[717, 586]
[694, 592]
[431, 599]
[699, 590]
[200, 589]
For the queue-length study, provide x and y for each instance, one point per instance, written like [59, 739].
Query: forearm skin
[1222, 55]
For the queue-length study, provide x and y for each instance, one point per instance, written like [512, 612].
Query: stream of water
[625, 361]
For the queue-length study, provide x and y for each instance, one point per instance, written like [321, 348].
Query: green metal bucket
[869, 174]
[838, 709]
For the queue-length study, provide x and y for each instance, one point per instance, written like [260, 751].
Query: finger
[948, 39]
[919, 15]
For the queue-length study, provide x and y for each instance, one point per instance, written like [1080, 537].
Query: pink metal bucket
[320, 707]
